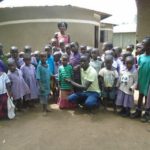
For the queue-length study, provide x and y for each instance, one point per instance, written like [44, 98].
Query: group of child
[28, 76]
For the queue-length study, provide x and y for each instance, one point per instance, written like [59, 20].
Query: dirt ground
[73, 130]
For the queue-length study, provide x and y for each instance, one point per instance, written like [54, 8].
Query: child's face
[94, 54]
[83, 50]
[62, 28]
[74, 48]
[56, 58]
[62, 45]
[43, 58]
[64, 61]
[68, 51]
[129, 64]
[14, 54]
[146, 46]
[27, 61]
[12, 67]
[108, 64]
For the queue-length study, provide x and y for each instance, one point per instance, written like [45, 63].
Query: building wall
[124, 39]
[143, 19]
[81, 25]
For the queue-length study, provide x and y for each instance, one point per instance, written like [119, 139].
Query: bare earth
[73, 130]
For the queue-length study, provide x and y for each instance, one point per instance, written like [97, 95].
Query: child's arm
[101, 82]
[135, 78]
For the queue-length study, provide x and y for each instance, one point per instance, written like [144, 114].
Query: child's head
[68, 49]
[124, 55]
[74, 47]
[139, 49]
[107, 46]
[57, 56]
[53, 42]
[83, 49]
[117, 51]
[108, 61]
[27, 59]
[27, 49]
[21, 54]
[12, 65]
[43, 57]
[129, 61]
[130, 48]
[64, 59]
[94, 53]
[14, 52]
[62, 26]
[62, 44]
[109, 52]
[48, 50]
[146, 45]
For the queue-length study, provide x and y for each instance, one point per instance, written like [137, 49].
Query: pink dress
[64, 37]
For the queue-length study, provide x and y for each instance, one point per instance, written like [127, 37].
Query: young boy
[43, 76]
[108, 77]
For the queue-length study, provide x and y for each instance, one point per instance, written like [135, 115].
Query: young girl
[4, 89]
[28, 71]
[18, 86]
[108, 78]
[65, 72]
[127, 85]
[43, 76]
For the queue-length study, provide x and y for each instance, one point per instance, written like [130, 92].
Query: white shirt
[3, 81]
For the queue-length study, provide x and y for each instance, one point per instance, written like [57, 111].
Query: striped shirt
[65, 72]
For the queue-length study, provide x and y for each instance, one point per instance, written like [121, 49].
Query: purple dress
[29, 75]
[19, 88]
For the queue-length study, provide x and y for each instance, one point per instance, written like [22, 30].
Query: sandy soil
[73, 130]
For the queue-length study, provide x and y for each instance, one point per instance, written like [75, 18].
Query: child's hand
[130, 89]
[68, 80]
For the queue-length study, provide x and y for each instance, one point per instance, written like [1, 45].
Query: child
[28, 71]
[28, 50]
[94, 62]
[74, 60]
[14, 57]
[4, 89]
[68, 49]
[43, 75]
[65, 72]
[62, 47]
[83, 49]
[108, 77]
[127, 85]
[18, 86]
[50, 58]
[143, 77]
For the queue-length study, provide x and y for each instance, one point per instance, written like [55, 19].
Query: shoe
[136, 114]
[145, 117]
[122, 111]
[126, 114]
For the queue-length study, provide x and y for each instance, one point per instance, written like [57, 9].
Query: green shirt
[65, 72]
[144, 74]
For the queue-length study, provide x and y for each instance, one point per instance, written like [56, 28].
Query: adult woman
[61, 35]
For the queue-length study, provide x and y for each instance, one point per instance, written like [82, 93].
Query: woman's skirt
[3, 106]
[63, 100]
[124, 99]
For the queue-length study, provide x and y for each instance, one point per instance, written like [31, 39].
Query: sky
[123, 11]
